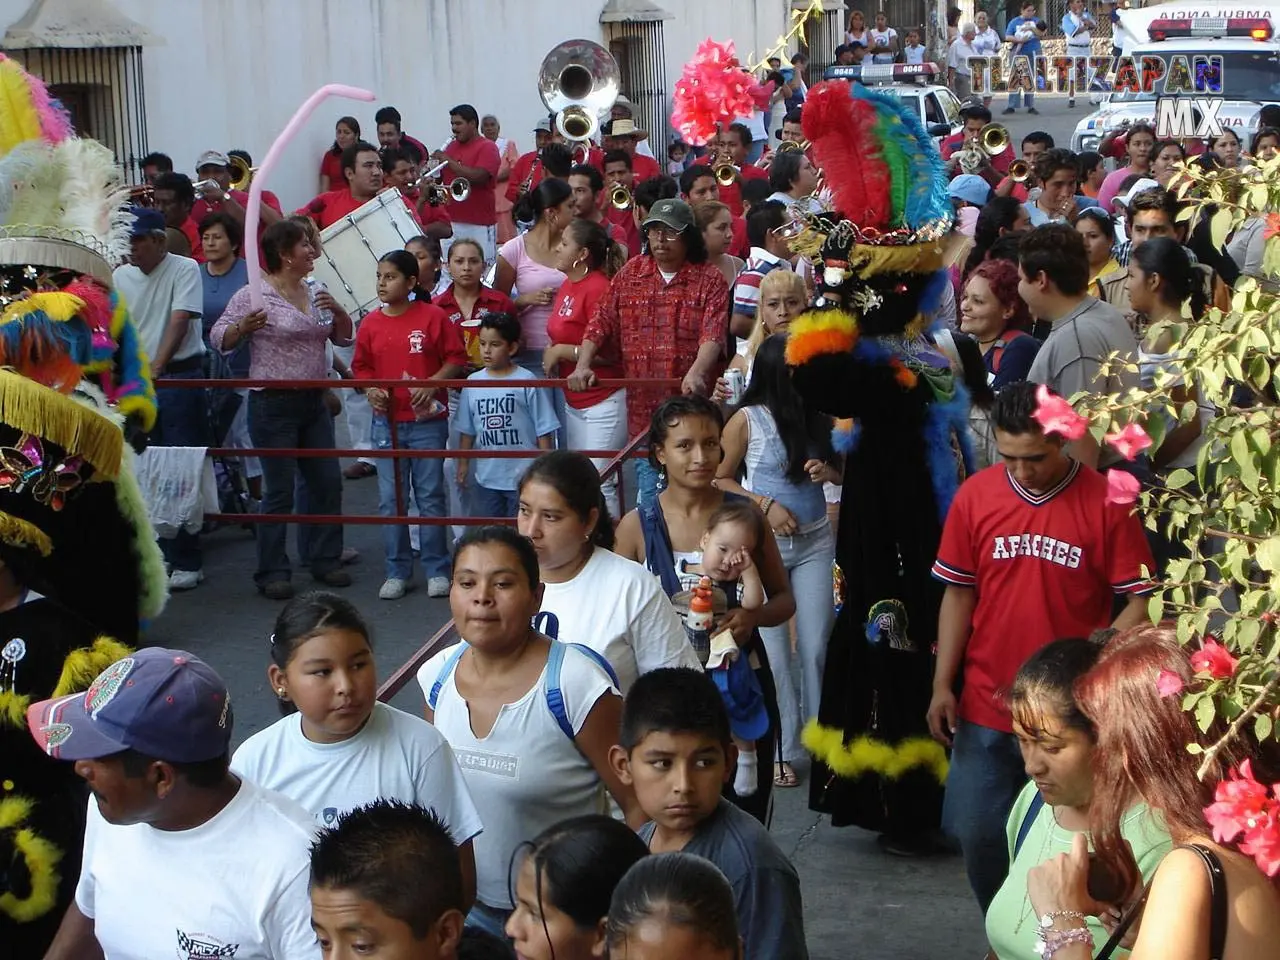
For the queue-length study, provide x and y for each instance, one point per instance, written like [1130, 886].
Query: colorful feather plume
[27, 112]
[93, 198]
[839, 125]
[820, 331]
[927, 199]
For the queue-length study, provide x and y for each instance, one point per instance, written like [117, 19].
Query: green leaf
[1262, 727]
[1178, 479]
[1205, 714]
[1244, 459]
[1268, 555]
[1195, 749]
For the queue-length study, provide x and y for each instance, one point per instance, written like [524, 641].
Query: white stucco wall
[230, 73]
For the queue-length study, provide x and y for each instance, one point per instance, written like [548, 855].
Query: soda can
[737, 385]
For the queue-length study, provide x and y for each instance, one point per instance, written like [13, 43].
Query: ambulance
[1243, 35]
[915, 84]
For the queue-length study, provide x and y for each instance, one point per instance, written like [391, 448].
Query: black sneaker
[333, 578]
[1008, 110]
[1033, 110]
[277, 590]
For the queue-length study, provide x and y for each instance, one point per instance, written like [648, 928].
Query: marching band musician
[625, 135]
[589, 201]
[527, 171]
[618, 173]
[733, 147]
[698, 184]
[214, 195]
[362, 168]
[387, 120]
[991, 169]
[475, 158]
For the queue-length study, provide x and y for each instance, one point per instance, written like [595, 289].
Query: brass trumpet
[620, 198]
[1019, 171]
[726, 174]
[993, 139]
[792, 146]
[457, 191]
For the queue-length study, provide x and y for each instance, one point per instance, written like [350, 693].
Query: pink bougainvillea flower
[1055, 415]
[1130, 441]
[1122, 488]
[712, 90]
[1271, 227]
[1244, 808]
[1214, 659]
[1168, 683]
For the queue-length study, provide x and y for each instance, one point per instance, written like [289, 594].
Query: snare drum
[348, 264]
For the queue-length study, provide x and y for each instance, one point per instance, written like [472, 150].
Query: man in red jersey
[527, 171]
[618, 173]
[1031, 552]
[587, 185]
[625, 135]
[733, 146]
[475, 158]
[214, 193]
[362, 168]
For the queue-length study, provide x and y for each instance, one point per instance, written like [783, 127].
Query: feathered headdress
[64, 226]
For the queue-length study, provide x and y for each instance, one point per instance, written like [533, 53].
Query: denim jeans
[182, 420]
[986, 775]
[493, 503]
[295, 418]
[602, 426]
[1027, 96]
[421, 482]
[807, 558]
[492, 920]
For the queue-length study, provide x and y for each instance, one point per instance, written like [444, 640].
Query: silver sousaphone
[579, 81]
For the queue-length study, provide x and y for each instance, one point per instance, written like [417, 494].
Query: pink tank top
[530, 277]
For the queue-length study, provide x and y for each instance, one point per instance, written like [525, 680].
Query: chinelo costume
[79, 567]
[863, 354]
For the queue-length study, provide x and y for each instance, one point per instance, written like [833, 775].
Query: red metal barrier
[447, 635]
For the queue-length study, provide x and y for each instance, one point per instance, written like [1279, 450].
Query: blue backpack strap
[449, 664]
[547, 624]
[555, 698]
[657, 547]
[1028, 819]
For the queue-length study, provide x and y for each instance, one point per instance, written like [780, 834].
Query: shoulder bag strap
[657, 547]
[449, 664]
[1024, 828]
[1218, 900]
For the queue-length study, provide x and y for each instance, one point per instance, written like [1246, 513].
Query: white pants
[357, 411]
[487, 237]
[600, 427]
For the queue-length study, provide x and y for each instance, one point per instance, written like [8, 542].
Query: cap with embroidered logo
[165, 704]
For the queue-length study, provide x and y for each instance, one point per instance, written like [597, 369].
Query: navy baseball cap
[165, 704]
[146, 221]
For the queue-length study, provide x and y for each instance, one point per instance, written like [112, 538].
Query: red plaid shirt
[658, 327]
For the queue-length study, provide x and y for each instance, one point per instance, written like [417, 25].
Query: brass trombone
[620, 198]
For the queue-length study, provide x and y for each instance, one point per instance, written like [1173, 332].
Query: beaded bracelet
[1050, 942]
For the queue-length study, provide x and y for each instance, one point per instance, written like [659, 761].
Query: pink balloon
[253, 214]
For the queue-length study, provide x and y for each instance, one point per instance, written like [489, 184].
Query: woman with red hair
[992, 312]
[1206, 900]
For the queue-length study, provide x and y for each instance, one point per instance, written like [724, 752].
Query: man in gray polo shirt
[1053, 276]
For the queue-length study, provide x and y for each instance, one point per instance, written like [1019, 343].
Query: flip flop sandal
[786, 776]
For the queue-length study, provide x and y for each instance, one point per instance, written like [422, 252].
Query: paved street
[1055, 118]
[859, 902]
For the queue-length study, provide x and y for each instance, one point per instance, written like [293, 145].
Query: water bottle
[698, 624]
[314, 287]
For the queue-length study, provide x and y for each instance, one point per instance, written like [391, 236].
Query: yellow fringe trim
[58, 306]
[864, 755]
[141, 404]
[82, 666]
[27, 406]
[820, 331]
[13, 709]
[42, 860]
[22, 534]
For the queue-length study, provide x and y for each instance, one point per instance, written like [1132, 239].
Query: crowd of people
[488, 823]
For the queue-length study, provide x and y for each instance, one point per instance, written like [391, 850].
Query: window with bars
[640, 50]
[103, 90]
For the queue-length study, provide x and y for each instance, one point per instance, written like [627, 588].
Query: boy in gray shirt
[677, 753]
[1053, 278]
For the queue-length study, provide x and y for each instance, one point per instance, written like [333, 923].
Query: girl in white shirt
[564, 516]
[338, 747]
[534, 748]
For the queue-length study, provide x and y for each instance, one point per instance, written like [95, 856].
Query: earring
[280, 691]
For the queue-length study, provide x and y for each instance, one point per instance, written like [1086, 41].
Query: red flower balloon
[712, 90]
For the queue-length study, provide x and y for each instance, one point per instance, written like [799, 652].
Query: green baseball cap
[675, 214]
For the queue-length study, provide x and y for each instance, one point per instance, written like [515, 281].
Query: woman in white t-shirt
[530, 719]
[337, 746]
[564, 516]
[884, 40]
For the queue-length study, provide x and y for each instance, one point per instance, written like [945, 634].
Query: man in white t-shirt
[959, 75]
[1078, 26]
[165, 296]
[181, 857]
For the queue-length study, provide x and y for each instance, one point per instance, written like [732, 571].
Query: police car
[913, 83]
[1244, 39]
